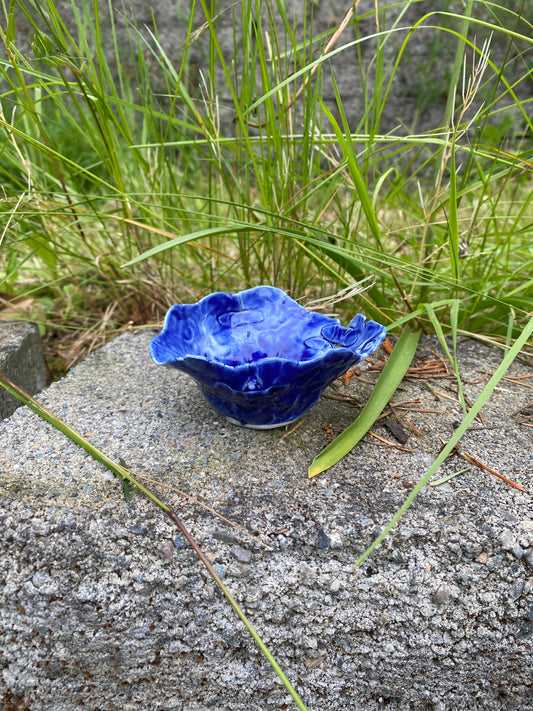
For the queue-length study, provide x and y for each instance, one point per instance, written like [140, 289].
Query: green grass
[104, 162]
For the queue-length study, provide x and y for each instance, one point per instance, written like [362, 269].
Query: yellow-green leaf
[391, 376]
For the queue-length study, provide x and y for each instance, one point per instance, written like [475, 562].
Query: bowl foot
[261, 427]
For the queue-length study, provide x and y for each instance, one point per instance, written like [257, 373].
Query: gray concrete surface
[104, 607]
[21, 360]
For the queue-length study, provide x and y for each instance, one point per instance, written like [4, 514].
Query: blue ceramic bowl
[259, 357]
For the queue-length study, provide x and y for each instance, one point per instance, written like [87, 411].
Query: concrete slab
[21, 360]
[103, 606]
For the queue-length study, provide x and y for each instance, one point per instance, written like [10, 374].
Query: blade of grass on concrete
[454, 310]
[391, 376]
[126, 475]
[459, 432]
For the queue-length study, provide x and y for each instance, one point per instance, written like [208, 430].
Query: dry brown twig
[477, 463]
[389, 443]
[204, 506]
[327, 49]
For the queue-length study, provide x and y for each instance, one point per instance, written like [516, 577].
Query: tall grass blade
[458, 63]
[348, 150]
[185, 239]
[391, 376]
[469, 418]
[442, 340]
[453, 220]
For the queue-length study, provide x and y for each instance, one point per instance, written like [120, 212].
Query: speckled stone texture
[21, 360]
[103, 606]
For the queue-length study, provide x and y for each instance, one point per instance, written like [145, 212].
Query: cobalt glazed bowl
[259, 357]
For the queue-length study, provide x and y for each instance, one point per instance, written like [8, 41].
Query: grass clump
[142, 173]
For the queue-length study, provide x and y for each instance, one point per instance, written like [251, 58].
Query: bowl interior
[245, 335]
[254, 325]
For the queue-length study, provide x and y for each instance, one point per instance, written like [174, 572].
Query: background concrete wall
[418, 93]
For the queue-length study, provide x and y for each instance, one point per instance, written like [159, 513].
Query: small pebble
[140, 529]
[335, 585]
[495, 562]
[442, 594]
[406, 533]
[220, 570]
[179, 543]
[507, 540]
[282, 542]
[517, 591]
[39, 579]
[398, 557]
[165, 550]
[123, 561]
[323, 540]
[241, 554]
[508, 516]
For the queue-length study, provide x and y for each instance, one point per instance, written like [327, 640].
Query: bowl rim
[264, 360]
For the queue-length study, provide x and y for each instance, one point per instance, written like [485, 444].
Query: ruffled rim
[360, 339]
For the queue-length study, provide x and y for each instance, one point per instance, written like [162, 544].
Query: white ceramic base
[262, 427]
